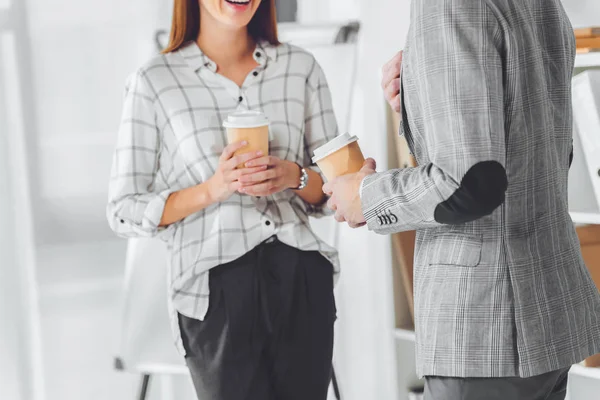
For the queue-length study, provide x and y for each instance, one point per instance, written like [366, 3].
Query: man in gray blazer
[504, 304]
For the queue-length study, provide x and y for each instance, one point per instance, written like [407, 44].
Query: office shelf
[587, 60]
[586, 218]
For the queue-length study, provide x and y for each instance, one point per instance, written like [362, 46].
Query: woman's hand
[226, 180]
[280, 175]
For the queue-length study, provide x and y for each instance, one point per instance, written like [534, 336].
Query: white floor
[81, 312]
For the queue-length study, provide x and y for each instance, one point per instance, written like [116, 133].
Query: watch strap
[303, 177]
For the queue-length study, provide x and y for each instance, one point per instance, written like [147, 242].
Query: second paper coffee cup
[251, 126]
[340, 156]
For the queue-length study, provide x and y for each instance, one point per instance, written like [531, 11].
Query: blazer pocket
[455, 249]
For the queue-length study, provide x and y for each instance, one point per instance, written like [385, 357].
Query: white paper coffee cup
[339, 156]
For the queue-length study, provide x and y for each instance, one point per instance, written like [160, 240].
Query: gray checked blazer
[500, 285]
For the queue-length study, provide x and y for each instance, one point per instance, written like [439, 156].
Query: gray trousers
[549, 386]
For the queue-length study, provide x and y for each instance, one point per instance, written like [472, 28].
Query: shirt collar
[197, 60]
[267, 49]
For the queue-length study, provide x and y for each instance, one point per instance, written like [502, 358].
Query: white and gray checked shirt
[171, 137]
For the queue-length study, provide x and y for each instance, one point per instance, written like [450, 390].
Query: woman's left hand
[280, 175]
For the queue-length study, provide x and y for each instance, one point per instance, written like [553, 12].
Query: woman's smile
[239, 5]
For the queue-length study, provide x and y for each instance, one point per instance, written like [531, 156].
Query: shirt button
[122, 221]
[267, 223]
[255, 73]
[240, 99]
[258, 54]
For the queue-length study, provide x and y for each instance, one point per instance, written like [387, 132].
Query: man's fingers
[339, 217]
[328, 188]
[392, 65]
[391, 69]
[395, 103]
[370, 163]
[354, 226]
[232, 148]
[392, 89]
[331, 204]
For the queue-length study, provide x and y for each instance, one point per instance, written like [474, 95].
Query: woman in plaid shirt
[251, 285]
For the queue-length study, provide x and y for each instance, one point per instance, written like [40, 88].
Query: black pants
[268, 333]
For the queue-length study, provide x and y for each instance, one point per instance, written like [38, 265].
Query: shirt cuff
[360, 189]
[154, 212]
[364, 192]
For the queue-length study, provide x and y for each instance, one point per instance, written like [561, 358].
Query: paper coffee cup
[340, 156]
[251, 126]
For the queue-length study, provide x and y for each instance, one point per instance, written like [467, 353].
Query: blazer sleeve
[457, 72]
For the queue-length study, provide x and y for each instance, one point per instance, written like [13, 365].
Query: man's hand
[390, 82]
[345, 196]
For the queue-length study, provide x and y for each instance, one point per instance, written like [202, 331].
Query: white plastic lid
[246, 119]
[333, 146]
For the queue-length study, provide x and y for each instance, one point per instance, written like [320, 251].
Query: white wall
[365, 349]
[583, 13]
[82, 54]
[367, 321]
[21, 375]
[320, 11]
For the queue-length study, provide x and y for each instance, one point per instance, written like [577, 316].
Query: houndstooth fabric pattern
[171, 137]
[507, 294]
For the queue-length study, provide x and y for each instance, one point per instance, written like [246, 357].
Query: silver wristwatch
[303, 178]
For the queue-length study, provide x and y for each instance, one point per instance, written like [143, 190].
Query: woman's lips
[238, 5]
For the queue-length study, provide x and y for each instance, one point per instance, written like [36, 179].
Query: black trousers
[268, 333]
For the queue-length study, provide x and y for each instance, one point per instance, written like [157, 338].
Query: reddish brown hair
[186, 23]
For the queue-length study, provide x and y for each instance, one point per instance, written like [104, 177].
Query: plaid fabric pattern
[171, 137]
[508, 294]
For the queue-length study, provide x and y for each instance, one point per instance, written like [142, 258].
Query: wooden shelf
[586, 218]
[586, 372]
[587, 60]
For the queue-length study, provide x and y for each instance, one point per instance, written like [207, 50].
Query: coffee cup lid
[333, 145]
[246, 119]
